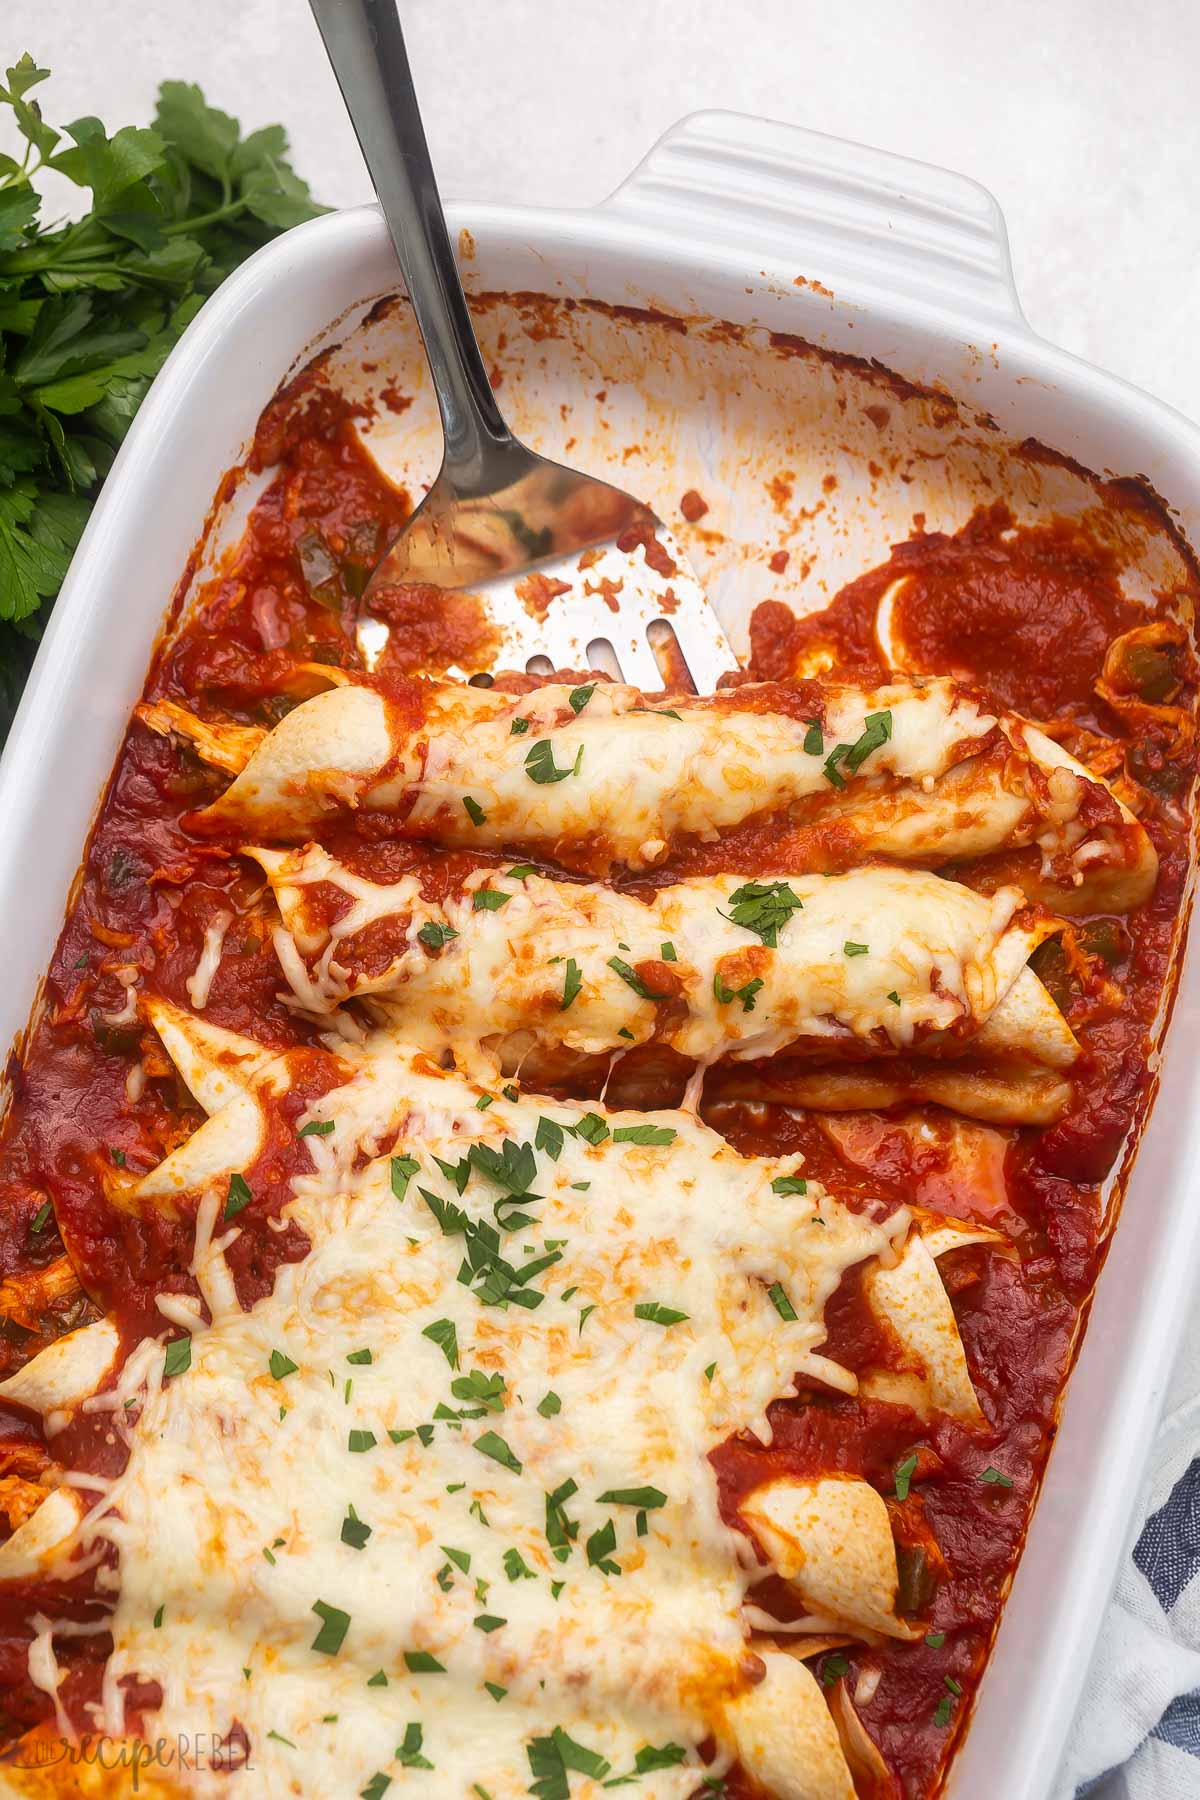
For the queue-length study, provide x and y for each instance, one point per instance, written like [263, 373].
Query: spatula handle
[365, 45]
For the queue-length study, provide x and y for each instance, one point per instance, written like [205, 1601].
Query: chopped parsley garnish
[118, 1156]
[488, 899]
[541, 767]
[644, 1134]
[487, 1391]
[996, 1477]
[550, 1405]
[572, 982]
[777, 1295]
[578, 698]
[408, 1753]
[355, 1531]
[658, 1756]
[516, 1568]
[316, 1128]
[789, 1184]
[40, 1218]
[649, 1499]
[710, 1371]
[549, 1138]
[488, 1622]
[894, 997]
[360, 1358]
[600, 1547]
[178, 1356]
[746, 993]
[632, 979]
[657, 1313]
[378, 1785]
[420, 1662]
[378, 1679]
[512, 1167]
[444, 1334]
[239, 1196]
[361, 1440]
[851, 949]
[591, 1128]
[435, 935]
[832, 1669]
[518, 728]
[877, 729]
[403, 1170]
[334, 1625]
[550, 1760]
[814, 739]
[495, 1690]
[474, 811]
[561, 1531]
[493, 1445]
[763, 907]
[281, 1365]
[904, 1474]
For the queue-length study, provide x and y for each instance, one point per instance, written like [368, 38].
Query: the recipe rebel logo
[200, 1751]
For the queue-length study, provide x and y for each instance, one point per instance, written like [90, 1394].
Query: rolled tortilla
[831, 1540]
[33, 1548]
[61, 1377]
[872, 963]
[919, 771]
[785, 1737]
[912, 1301]
[1003, 1095]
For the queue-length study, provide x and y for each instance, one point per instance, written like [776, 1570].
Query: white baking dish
[774, 228]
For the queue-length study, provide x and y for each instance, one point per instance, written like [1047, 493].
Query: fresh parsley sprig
[90, 309]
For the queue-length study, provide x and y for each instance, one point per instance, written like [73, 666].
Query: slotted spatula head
[572, 574]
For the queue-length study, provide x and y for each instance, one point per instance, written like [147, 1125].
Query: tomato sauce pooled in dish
[1029, 613]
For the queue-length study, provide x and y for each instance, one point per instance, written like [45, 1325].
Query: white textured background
[1081, 116]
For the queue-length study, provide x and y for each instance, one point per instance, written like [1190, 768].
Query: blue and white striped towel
[1137, 1733]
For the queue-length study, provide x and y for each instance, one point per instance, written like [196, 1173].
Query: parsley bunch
[89, 310]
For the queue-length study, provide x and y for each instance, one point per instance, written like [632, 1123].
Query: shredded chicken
[27, 1298]
[19, 1499]
[227, 747]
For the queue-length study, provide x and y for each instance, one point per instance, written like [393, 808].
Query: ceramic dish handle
[859, 222]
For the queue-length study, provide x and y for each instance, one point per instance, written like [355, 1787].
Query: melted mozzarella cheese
[889, 958]
[230, 1520]
[633, 772]
[476, 767]
[199, 982]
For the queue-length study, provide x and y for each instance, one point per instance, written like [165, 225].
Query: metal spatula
[563, 564]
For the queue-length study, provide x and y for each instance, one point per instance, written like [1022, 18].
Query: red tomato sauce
[1028, 613]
